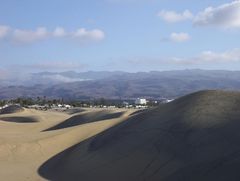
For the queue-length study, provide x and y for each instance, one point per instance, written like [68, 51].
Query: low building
[169, 100]
[141, 106]
[165, 100]
[67, 106]
[140, 101]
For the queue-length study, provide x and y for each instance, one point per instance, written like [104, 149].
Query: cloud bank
[4, 31]
[28, 36]
[173, 17]
[179, 37]
[41, 33]
[55, 65]
[215, 57]
[225, 16]
[92, 35]
[205, 57]
[210, 57]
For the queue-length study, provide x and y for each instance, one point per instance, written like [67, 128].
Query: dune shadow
[54, 168]
[74, 111]
[19, 119]
[137, 112]
[50, 169]
[85, 118]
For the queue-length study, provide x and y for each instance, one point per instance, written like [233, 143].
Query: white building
[67, 106]
[170, 100]
[140, 101]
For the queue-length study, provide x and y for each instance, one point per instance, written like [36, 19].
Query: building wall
[141, 101]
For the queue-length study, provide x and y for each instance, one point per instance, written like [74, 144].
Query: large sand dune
[30, 137]
[194, 138]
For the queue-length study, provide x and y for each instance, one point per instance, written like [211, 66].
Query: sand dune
[11, 109]
[86, 118]
[24, 146]
[193, 138]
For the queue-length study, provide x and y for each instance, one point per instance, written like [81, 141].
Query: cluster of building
[144, 103]
[54, 106]
[3, 107]
[139, 103]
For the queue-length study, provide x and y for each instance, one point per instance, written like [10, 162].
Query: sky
[125, 35]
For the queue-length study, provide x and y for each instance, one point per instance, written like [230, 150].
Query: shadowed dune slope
[17, 119]
[74, 111]
[193, 138]
[86, 118]
[12, 109]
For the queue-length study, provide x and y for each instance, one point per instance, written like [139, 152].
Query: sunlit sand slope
[29, 138]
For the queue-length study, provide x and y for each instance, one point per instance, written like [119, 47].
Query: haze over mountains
[119, 85]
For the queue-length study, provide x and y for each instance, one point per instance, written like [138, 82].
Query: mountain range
[118, 84]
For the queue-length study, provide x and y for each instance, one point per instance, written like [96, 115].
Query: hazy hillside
[193, 138]
[116, 85]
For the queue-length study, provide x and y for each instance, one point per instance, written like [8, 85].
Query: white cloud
[55, 65]
[60, 78]
[179, 37]
[226, 16]
[227, 56]
[173, 17]
[28, 36]
[4, 31]
[211, 57]
[202, 59]
[92, 35]
[59, 32]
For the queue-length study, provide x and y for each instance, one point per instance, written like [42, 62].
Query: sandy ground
[30, 138]
[194, 138]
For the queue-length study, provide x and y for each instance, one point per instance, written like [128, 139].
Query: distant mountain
[70, 76]
[48, 78]
[121, 85]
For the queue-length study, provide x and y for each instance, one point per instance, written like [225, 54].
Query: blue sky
[128, 35]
